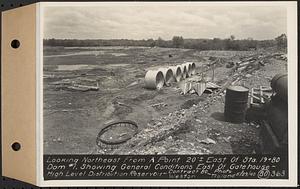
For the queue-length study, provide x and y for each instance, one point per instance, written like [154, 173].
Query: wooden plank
[261, 95]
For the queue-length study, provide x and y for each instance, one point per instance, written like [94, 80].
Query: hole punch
[15, 44]
[16, 146]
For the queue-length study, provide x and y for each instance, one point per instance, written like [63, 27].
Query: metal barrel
[277, 117]
[280, 85]
[236, 102]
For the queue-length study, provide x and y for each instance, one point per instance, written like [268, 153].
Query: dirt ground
[73, 119]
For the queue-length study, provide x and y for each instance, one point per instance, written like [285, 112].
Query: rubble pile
[153, 133]
[160, 136]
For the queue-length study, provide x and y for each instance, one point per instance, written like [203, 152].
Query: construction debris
[197, 86]
[212, 86]
[77, 84]
[260, 95]
[159, 106]
[116, 133]
[185, 86]
[208, 141]
[280, 56]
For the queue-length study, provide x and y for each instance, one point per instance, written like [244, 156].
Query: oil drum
[277, 117]
[280, 85]
[236, 102]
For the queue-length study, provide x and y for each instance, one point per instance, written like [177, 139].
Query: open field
[73, 119]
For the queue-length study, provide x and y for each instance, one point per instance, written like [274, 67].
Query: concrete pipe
[193, 68]
[168, 75]
[177, 73]
[154, 79]
[279, 84]
[189, 69]
[184, 71]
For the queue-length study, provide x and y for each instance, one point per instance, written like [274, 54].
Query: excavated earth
[168, 121]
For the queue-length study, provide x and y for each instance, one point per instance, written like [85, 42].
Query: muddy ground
[73, 119]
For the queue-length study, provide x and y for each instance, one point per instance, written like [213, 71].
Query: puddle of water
[108, 47]
[116, 65]
[74, 67]
[95, 53]
[118, 54]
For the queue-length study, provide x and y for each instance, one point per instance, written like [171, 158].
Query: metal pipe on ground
[154, 79]
[236, 102]
[177, 73]
[168, 75]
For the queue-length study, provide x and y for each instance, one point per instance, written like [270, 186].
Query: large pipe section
[193, 68]
[177, 73]
[184, 71]
[168, 75]
[154, 79]
[188, 69]
[279, 84]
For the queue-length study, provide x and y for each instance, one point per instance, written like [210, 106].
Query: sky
[145, 21]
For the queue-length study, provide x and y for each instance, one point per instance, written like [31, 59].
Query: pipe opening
[154, 79]
[189, 69]
[159, 80]
[168, 75]
[193, 68]
[184, 71]
[177, 74]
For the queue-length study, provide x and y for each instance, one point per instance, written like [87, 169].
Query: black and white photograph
[150, 94]
[165, 79]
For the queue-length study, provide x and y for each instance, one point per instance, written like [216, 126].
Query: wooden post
[213, 74]
[261, 94]
[252, 96]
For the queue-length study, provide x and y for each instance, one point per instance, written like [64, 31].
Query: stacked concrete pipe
[184, 71]
[189, 68]
[193, 68]
[154, 79]
[168, 75]
[177, 73]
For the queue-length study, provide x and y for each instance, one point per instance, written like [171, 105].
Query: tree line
[177, 42]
